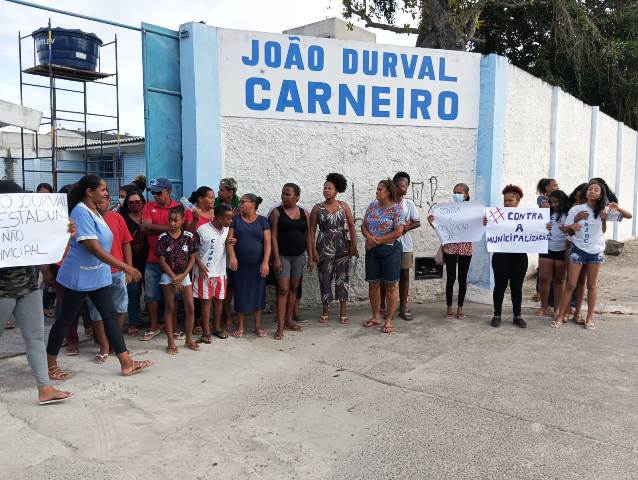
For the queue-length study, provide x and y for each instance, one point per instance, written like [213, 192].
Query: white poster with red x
[517, 230]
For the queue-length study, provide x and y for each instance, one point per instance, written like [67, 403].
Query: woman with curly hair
[585, 224]
[509, 268]
[335, 244]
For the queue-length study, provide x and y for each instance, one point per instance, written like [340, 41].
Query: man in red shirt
[120, 249]
[154, 223]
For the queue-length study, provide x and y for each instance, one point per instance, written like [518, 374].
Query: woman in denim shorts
[382, 227]
[585, 225]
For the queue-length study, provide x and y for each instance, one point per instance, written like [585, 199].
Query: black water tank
[71, 48]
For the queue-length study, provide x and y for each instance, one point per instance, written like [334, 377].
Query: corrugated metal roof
[123, 141]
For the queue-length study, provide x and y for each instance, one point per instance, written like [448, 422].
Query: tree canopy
[587, 47]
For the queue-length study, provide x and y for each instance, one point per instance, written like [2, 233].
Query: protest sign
[33, 228]
[517, 230]
[458, 222]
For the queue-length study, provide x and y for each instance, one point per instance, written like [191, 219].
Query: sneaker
[519, 322]
[496, 321]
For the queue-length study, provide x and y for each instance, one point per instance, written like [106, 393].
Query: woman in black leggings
[86, 272]
[456, 254]
[509, 268]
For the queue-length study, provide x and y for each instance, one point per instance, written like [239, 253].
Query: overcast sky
[258, 15]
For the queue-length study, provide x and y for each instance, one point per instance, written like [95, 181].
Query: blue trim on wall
[201, 132]
[489, 153]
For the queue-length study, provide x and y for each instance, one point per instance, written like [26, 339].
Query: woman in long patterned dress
[335, 244]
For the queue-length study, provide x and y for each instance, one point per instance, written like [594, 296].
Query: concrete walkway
[439, 399]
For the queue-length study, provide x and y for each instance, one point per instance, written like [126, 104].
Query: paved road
[437, 400]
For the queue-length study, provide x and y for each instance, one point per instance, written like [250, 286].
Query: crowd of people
[215, 254]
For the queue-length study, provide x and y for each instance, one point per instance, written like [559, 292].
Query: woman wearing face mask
[456, 253]
[585, 224]
[509, 268]
[131, 211]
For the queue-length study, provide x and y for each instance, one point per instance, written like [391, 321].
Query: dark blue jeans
[134, 294]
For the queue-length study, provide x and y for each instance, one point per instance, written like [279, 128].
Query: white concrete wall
[526, 146]
[573, 131]
[263, 154]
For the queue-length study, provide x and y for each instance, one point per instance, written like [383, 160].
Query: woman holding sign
[585, 224]
[20, 298]
[456, 254]
[509, 268]
[86, 272]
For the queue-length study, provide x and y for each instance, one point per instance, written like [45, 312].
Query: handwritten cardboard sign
[458, 222]
[517, 230]
[33, 228]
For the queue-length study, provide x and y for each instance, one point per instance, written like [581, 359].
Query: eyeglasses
[156, 194]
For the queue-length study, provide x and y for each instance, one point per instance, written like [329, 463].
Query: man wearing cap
[154, 223]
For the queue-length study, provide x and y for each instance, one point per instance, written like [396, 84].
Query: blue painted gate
[162, 104]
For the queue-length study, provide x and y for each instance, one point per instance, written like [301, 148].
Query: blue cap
[159, 184]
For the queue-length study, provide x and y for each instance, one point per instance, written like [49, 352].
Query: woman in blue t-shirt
[382, 227]
[86, 272]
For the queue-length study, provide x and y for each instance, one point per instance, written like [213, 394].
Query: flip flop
[72, 350]
[278, 336]
[194, 346]
[371, 323]
[294, 328]
[344, 320]
[238, 333]
[388, 329]
[56, 373]
[260, 332]
[56, 399]
[206, 338]
[150, 335]
[221, 335]
[172, 350]
[100, 359]
[198, 331]
[407, 315]
[323, 319]
[9, 325]
[179, 335]
[138, 366]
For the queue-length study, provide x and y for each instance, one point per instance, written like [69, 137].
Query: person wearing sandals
[209, 272]
[412, 221]
[585, 225]
[509, 268]
[154, 223]
[456, 254]
[21, 298]
[176, 253]
[248, 259]
[290, 243]
[86, 272]
[131, 212]
[335, 244]
[121, 250]
[382, 227]
[551, 265]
